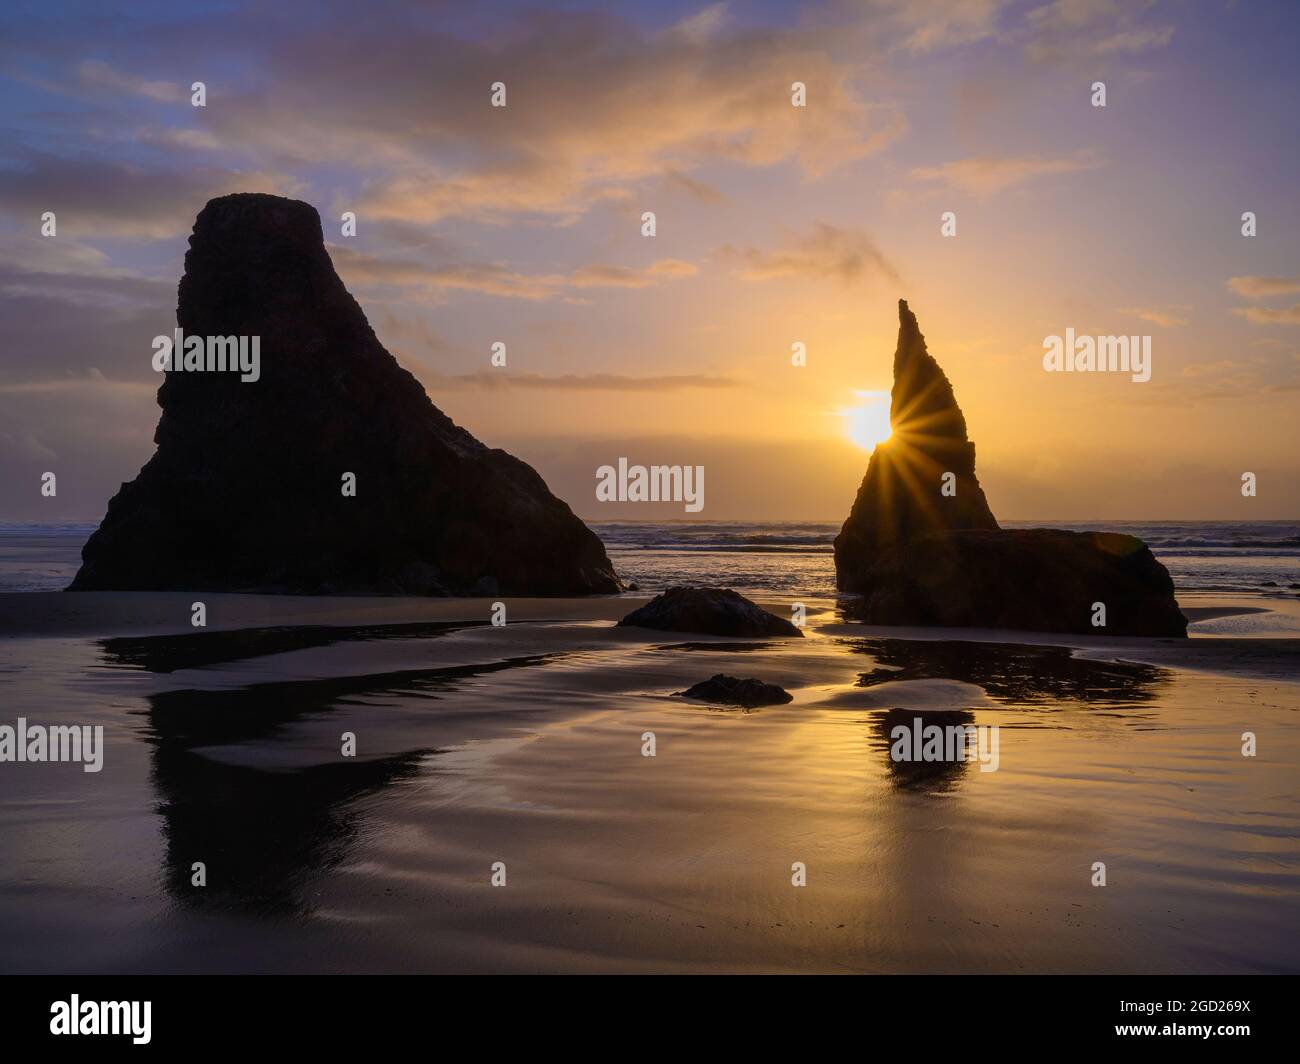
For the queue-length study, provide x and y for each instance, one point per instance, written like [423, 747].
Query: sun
[866, 423]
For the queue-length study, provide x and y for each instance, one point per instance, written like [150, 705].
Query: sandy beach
[523, 744]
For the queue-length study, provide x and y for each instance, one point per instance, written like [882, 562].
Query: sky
[774, 225]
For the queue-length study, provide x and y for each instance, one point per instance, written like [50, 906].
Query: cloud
[96, 198]
[70, 313]
[1270, 315]
[1135, 40]
[1252, 286]
[1210, 369]
[593, 382]
[1155, 315]
[596, 103]
[93, 383]
[827, 252]
[704, 25]
[609, 277]
[988, 175]
[700, 190]
[190, 139]
[101, 76]
[494, 279]
[673, 268]
[62, 270]
[928, 25]
[1255, 287]
[1241, 378]
[1068, 30]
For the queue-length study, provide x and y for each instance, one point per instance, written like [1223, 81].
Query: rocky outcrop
[730, 691]
[906, 491]
[245, 490]
[922, 555]
[711, 610]
[1039, 580]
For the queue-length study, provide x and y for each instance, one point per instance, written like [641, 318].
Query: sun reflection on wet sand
[226, 750]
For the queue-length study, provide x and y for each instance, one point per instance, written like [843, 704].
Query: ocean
[1256, 557]
[1260, 557]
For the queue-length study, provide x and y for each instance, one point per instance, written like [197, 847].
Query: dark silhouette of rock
[712, 610]
[1039, 580]
[731, 691]
[244, 490]
[919, 556]
[901, 495]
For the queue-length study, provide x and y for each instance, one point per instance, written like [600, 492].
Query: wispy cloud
[66, 271]
[93, 383]
[929, 25]
[1156, 315]
[93, 198]
[1255, 287]
[495, 279]
[1076, 29]
[696, 188]
[704, 25]
[987, 175]
[1135, 40]
[572, 382]
[827, 252]
[1270, 315]
[1241, 378]
[101, 76]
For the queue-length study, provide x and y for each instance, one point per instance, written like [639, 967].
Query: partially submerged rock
[712, 610]
[731, 691]
[245, 490]
[1038, 580]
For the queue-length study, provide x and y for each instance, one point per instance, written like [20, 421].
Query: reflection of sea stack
[245, 488]
[923, 548]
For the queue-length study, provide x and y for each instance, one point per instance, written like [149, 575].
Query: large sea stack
[922, 547]
[900, 497]
[244, 492]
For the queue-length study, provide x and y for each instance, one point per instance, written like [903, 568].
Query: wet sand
[523, 745]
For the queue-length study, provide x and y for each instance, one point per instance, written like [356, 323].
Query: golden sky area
[775, 225]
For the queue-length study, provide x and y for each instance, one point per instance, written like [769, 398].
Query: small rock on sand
[735, 692]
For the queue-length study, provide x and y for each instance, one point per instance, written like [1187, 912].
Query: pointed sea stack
[918, 556]
[244, 492]
[895, 501]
